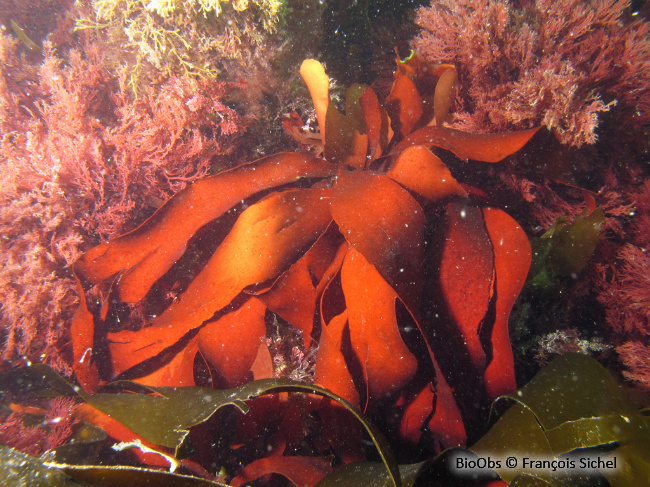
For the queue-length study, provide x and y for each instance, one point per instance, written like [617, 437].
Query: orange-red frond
[418, 169]
[385, 359]
[148, 252]
[383, 221]
[479, 147]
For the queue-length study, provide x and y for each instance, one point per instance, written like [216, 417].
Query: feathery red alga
[558, 63]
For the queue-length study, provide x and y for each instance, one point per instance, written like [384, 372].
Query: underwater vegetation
[581, 69]
[561, 64]
[81, 157]
[164, 38]
[572, 409]
[371, 298]
[371, 246]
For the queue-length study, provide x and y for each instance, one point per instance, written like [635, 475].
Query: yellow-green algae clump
[163, 38]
